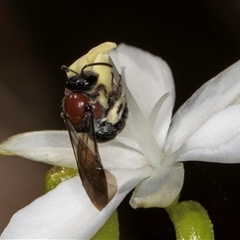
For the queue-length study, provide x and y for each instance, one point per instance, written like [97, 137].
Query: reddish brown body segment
[76, 105]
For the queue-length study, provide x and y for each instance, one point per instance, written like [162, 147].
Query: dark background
[198, 39]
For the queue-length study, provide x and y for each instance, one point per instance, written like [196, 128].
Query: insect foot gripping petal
[94, 112]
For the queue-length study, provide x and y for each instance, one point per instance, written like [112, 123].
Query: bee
[93, 115]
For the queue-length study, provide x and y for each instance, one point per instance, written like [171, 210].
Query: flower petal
[67, 213]
[145, 69]
[54, 147]
[218, 140]
[213, 96]
[161, 189]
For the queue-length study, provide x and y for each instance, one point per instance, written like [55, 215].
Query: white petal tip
[133, 204]
[4, 149]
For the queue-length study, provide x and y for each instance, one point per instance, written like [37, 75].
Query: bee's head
[84, 81]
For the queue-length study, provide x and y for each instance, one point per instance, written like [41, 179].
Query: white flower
[146, 155]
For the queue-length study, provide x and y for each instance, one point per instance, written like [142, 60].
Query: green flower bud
[191, 221]
[110, 230]
[55, 175]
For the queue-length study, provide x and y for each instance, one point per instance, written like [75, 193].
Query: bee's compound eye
[75, 107]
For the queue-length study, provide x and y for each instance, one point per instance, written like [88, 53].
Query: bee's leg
[101, 95]
[116, 111]
[114, 122]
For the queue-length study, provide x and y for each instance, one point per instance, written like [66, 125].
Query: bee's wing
[99, 184]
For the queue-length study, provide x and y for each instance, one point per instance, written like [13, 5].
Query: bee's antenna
[66, 69]
[99, 63]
